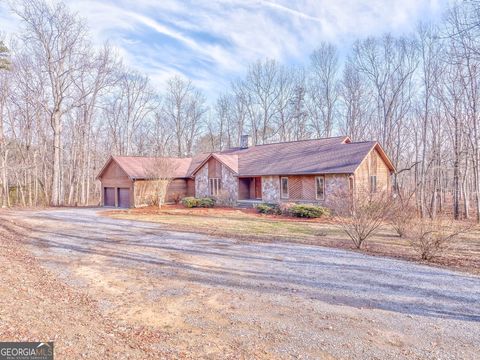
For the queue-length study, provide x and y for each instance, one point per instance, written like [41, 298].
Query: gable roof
[231, 161]
[335, 155]
[271, 159]
[137, 167]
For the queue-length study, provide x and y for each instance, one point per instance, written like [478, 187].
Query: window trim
[323, 187]
[373, 184]
[214, 184]
[282, 195]
[351, 183]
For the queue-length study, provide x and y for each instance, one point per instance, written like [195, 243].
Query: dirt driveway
[221, 298]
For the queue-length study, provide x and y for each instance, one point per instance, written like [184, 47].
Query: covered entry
[250, 188]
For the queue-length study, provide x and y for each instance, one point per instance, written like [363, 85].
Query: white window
[214, 186]
[373, 183]
[320, 187]
[284, 187]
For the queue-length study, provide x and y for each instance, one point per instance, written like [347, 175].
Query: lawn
[247, 225]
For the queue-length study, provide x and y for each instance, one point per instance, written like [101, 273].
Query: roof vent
[244, 141]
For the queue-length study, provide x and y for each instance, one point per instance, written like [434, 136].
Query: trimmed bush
[308, 211]
[206, 202]
[269, 209]
[191, 202]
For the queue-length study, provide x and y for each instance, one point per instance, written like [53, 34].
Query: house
[299, 171]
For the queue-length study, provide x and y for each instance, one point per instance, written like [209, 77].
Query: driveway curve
[295, 297]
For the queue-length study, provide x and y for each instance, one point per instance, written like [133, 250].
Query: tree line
[66, 105]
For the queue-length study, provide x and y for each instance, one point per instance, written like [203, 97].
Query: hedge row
[191, 202]
[297, 210]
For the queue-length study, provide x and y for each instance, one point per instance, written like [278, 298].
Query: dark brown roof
[138, 167]
[322, 156]
[336, 155]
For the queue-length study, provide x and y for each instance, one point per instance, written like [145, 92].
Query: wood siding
[372, 165]
[301, 188]
[214, 168]
[177, 188]
[115, 177]
[190, 187]
[146, 191]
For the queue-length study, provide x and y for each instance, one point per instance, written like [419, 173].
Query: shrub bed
[191, 202]
[308, 211]
[269, 209]
[290, 209]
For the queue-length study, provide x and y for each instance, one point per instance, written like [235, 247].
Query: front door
[258, 188]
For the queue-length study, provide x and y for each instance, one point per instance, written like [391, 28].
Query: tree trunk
[56, 198]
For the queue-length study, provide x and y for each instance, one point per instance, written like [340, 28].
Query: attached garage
[117, 185]
[109, 196]
[127, 181]
[123, 197]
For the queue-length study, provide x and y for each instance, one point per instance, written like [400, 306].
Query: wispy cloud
[213, 41]
[291, 11]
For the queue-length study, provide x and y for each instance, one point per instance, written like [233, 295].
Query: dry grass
[35, 305]
[247, 225]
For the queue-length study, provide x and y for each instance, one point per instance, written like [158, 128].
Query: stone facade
[201, 182]
[229, 195]
[334, 186]
[301, 188]
[271, 189]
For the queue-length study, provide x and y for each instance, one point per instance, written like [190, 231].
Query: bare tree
[160, 175]
[356, 106]
[55, 37]
[5, 66]
[360, 213]
[323, 89]
[432, 237]
[403, 213]
[184, 108]
[388, 64]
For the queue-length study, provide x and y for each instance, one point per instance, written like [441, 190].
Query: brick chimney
[244, 141]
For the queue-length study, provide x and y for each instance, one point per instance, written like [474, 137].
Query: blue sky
[212, 42]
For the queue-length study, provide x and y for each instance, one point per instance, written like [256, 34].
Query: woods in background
[66, 105]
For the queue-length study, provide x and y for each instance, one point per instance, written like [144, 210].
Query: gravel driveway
[224, 298]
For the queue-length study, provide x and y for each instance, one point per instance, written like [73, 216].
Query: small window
[373, 183]
[320, 187]
[284, 187]
[215, 186]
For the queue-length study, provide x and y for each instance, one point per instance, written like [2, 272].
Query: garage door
[123, 198]
[109, 196]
